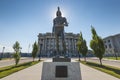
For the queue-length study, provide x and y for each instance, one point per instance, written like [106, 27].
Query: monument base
[61, 71]
[61, 59]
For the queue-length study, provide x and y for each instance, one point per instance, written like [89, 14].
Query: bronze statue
[58, 29]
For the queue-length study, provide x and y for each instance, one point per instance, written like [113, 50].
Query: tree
[82, 47]
[16, 55]
[78, 43]
[97, 45]
[35, 50]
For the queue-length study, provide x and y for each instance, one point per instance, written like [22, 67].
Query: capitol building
[112, 45]
[48, 44]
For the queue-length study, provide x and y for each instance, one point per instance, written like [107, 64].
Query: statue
[58, 29]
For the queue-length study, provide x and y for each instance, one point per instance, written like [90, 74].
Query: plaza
[59, 40]
[87, 73]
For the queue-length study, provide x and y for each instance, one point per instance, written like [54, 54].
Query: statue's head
[58, 13]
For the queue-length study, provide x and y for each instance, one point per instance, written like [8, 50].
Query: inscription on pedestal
[61, 72]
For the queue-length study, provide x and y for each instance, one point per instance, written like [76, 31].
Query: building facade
[48, 43]
[112, 45]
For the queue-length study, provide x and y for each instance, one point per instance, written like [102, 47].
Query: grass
[113, 58]
[5, 71]
[114, 71]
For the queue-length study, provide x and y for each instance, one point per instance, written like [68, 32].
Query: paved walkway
[8, 62]
[89, 73]
[114, 63]
[34, 73]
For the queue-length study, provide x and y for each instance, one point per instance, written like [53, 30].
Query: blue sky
[23, 20]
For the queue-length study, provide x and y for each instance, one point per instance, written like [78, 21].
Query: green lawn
[113, 58]
[5, 71]
[114, 71]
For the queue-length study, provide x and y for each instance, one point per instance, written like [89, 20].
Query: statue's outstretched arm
[66, 23]
[53, 29]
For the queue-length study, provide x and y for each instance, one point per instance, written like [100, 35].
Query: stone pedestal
[61, 60]
[61, 71]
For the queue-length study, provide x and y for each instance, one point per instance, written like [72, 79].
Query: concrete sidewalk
[89, 73]
[105, 59]
[35, 72]
[31, 73]
[114, 63]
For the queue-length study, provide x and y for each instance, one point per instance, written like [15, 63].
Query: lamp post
[28, 48]
[2, 52]
[20, 50]
[40, 50]
[115, 52]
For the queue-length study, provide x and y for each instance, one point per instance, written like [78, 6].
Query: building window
[104, 41]
[108, 40]
[110, 46]
[106, 46]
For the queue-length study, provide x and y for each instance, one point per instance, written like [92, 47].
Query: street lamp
[115, 52]
[40, 50]
[20, 50]
[2, 52]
